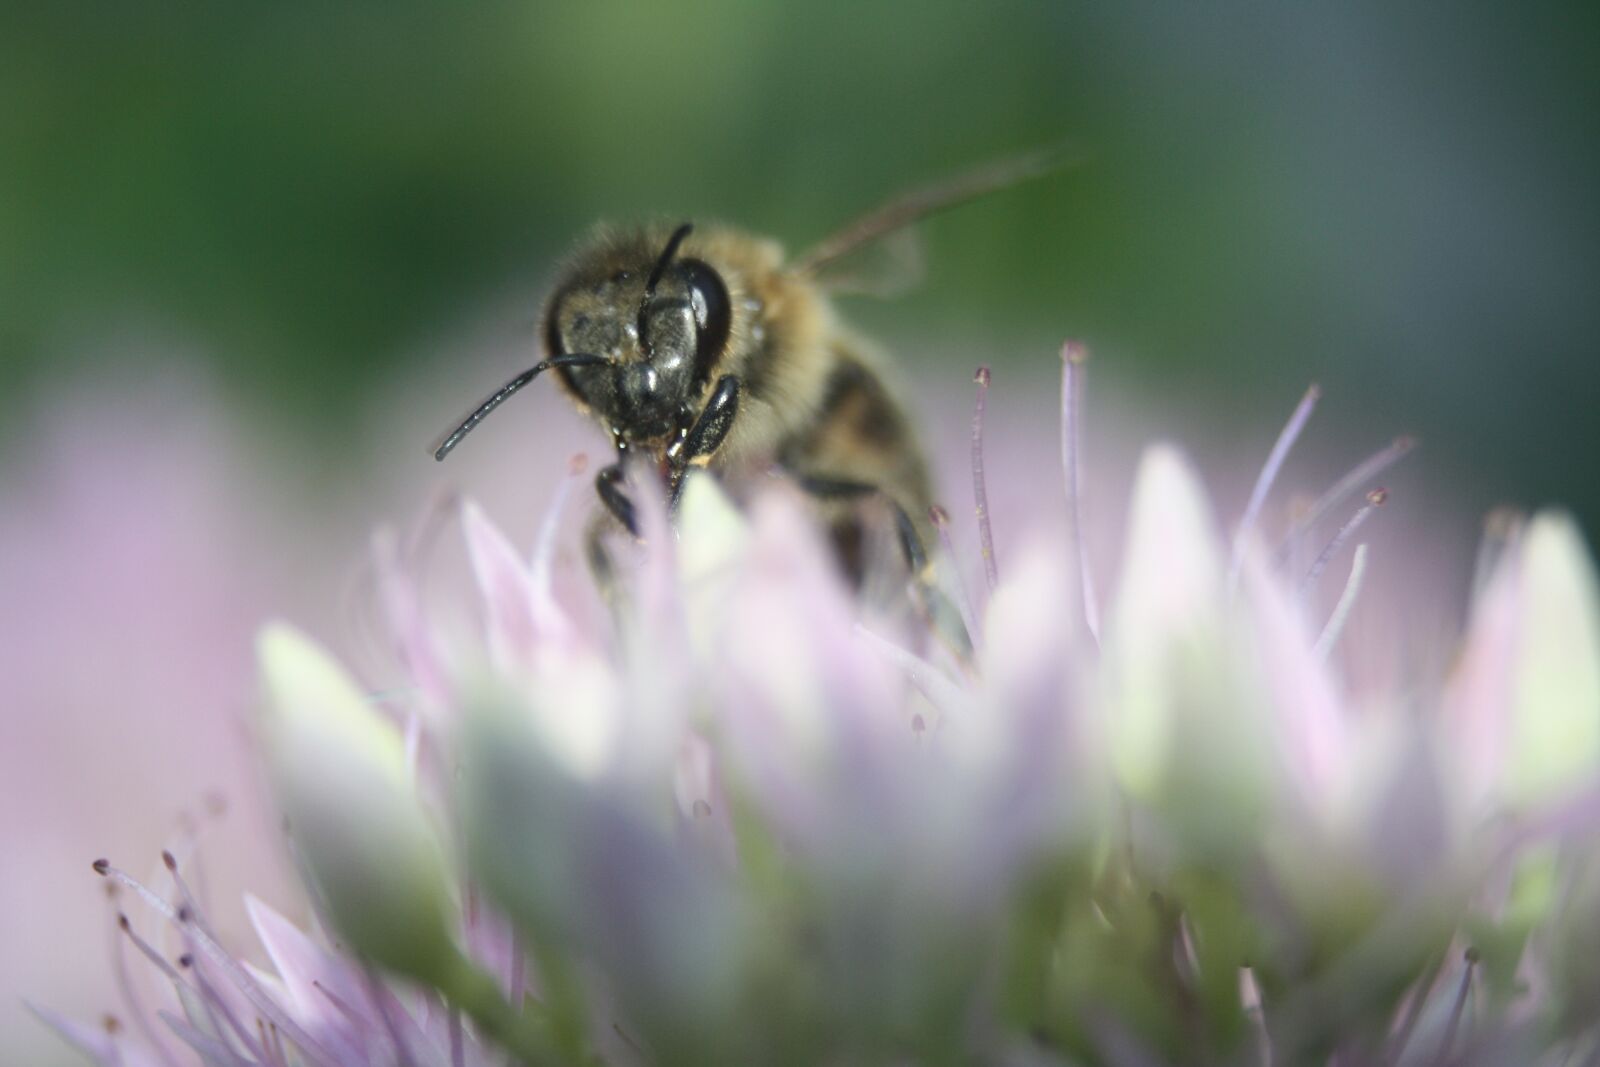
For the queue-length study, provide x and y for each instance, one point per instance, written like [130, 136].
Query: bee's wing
[885, 268]
[908, 208]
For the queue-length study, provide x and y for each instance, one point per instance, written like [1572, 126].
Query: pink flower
[726, 811]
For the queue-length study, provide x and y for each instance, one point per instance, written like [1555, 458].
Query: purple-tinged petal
[212, 1051]
[705, 814]
[1306, 717]
[820, 717]
[93, 1041]
[1028, 753]
[505, 586]
[311, 975]
[414, 641]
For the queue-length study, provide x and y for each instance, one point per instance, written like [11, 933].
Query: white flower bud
[342, 780]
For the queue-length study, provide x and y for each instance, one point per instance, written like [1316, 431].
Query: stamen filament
[1341, 612]
[1375, 500]
[1421, 993]
[217, 1006]
[272, 1043]
[1359, 477]
[211, 1049]
[229, 966]
[980, 491]
[1073, 357]
[1255, 1012]
[149, 951]
[383, 1001]
[355, 1018]
[1269, 474]
[1462, 992]
[944, 693]
[130, 996]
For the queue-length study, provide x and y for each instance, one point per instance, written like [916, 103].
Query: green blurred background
[1396, 200]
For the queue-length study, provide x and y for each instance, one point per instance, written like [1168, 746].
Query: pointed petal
[92, 1041]
[712, 534]
[1165, 611]
[506, 586]
[1313, 736]
[1555, 733]
[1172, 568]
[342, 780]
[1478, 697]
[712, 538]
[303, 966]
[588, 868]
[418, 652]
[1027, 752]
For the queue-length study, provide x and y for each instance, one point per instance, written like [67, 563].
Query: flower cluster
[710, 813]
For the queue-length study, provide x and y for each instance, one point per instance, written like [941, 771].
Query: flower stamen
[1341, 612]
[1360, 475]
[218, 955]
[1074, 354]
[943, 692]
[218, 1010]
[1463, 991]
[1375, 500]
[130, 996]
[1269, 474]
[980, 490]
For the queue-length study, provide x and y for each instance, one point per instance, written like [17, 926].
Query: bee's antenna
[666, 258]
[656, 272]
[504, 392]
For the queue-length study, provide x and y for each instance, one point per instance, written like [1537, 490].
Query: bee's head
[636, 339]
[659, 328]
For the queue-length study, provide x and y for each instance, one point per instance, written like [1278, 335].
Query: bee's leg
[617, 506]
[601, 569]
[911, 545]
[616, 501]
[941, 613]
[710, 429]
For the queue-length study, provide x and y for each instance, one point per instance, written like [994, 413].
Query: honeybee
[708, 348]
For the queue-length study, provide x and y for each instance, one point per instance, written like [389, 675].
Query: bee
[709, 348]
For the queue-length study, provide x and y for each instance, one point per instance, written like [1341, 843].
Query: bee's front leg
[606, 484]
[710, 429]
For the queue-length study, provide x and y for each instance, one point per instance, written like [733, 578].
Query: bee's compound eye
[709, 297]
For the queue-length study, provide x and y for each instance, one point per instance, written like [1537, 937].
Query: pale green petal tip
[295, 666]
[341, 775]
[1172, 535]
[1556, 731]
[309, 692]
[1166, 608]
[712, 531]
